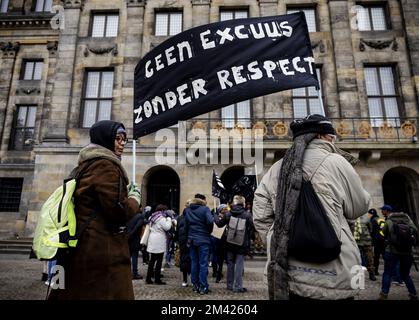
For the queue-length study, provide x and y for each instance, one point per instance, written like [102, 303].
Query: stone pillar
[272, 104]
[9, 51]
[200, 12]
[63, 85]
[344, 60]
[134, 31]
[410, 11]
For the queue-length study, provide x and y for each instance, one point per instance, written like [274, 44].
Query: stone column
[63, 86]
[200, 12]
[9, 51]
[269, 106]
[410, 11]
[345, 65]
[134, 30]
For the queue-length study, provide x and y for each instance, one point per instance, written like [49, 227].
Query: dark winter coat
[99, 268]
[199, 222]
[182, 238]
[238, 212]
[134, 228]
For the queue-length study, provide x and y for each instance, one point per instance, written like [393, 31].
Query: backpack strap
[77, 173]
[318, 166]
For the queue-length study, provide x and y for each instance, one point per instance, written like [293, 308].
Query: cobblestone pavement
[20, 280]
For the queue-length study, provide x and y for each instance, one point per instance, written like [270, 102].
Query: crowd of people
[310, 210]
[190, 237]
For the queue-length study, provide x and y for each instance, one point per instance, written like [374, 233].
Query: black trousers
[379, 250]
[157, 259]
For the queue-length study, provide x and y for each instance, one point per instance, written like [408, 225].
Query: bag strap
[317, 168]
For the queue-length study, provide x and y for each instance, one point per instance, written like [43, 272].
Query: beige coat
[340, 191]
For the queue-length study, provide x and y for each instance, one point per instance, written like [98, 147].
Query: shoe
[162, 269]
[382, 296]
[203, 291]
[228, 288]
[145, 263]
[44, 277]
[217, 280]
[47, 283]
[195, 288]
[242, 290]
[400, 284]
[149, 281]
[167, 265]
[413, 296]
[160, 282]
[136, 276]
[184, 284]
[372, 276]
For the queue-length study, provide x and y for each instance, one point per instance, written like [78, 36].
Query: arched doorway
[401, 190]
[163, 187]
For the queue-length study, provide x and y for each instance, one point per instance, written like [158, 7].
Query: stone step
[15, 251]
[21, 242]
[15, 246]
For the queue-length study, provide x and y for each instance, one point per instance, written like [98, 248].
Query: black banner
[218, 188]
[215, 65]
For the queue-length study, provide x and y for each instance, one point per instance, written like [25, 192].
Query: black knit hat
[314, 123]
[104, 132]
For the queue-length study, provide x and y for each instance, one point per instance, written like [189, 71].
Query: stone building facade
[55, 54]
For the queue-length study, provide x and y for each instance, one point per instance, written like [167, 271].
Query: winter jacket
[198, 222]
[100, 266]
[134, 230]
[393, 218]
[182, 238]
[340, 191]
[158, 234]
[362, 232]
[238, 212]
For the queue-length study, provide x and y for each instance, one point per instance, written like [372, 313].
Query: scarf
[156, 215]
[289, 186]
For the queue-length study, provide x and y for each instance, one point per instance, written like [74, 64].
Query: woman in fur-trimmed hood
[99, 268]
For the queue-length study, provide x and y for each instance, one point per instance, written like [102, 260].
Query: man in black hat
[312, 157]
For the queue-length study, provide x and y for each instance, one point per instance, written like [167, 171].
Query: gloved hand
[134, 192]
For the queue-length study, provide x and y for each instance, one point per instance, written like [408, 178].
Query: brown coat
[100, 266]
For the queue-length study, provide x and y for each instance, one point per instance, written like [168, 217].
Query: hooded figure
[314, 157]
[99, 267]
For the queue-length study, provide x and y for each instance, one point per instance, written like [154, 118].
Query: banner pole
[134, 151]
[256, 175]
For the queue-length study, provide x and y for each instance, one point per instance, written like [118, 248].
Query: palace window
[371, 17]
[382, 95]
[305, 101]
[310, 14]
[10, 194]
[23, 128]
[4, 5]
[105, 25]
[228, 14]
[97, 98]
[43, 6]
[168, 23]
[32, 70]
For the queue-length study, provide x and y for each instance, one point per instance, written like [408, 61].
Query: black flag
[218, 64]
[245, 186]
[218, 188]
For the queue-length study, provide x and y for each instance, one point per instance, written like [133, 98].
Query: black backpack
[312, 237]
[402, 237]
